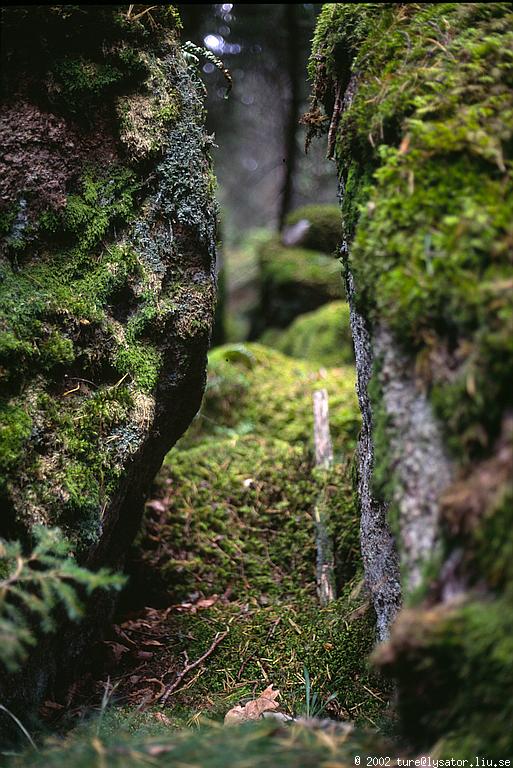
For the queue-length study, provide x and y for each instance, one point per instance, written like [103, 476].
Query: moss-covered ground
[324, 231]
[231, 530]
[228, 550]
[293, 280]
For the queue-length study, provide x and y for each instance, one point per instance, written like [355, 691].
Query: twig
[188, 667]
[335, 120]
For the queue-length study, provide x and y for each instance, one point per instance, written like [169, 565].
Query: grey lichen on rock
[107, 266]
[422, 469]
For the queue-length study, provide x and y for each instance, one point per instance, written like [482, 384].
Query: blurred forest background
[262, 169]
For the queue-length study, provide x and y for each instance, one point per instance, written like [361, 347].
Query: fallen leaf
[162, 718]
[254, 709]
[117, 649]
[157, 505]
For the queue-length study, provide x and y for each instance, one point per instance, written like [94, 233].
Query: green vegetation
[59, 347]
[325, 231]
[322, 336]
[233, 522]
[294, 281]
[90, 286]
[211, 746]
[34, 587]
[424, 149]
[255, 390]
[454, 668]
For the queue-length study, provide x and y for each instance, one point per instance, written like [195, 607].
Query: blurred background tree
[260, 162]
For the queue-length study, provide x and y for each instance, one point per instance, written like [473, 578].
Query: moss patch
[94, 291]
[454, 668]
[211, 746]
[255, 390]
[424, 150]
[431, 115]
[322, 336]
[325, 226]
[294, 281]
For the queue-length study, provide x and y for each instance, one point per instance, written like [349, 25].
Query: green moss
[432, 114]
[82, 61]
[454, 672]
[210, 746]
[82, 82]
[15, 428]
[146, 116]
[322, 336]
[294, 281]
[255, 390]
[235, 517]
[252, 529]
[424, 149]
[325, 230]
[299, 265]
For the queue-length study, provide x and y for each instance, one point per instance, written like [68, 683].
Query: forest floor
[222, 601]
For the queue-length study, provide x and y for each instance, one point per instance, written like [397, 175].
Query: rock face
[107, 267]
[419, 103]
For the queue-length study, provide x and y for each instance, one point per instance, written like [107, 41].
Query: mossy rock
[254, 390]
[424, 151]
[427, 175]
[293, 281]
[106, 271]
[322, 230]
[322, 336]
[454, 668]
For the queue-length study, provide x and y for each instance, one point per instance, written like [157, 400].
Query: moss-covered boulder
[317, 227]
[322, 336]
[229, 541]
[252, 389]
[106, 268]
[422, 133]
[293, 281]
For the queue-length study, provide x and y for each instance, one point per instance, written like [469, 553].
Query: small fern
[33, 586]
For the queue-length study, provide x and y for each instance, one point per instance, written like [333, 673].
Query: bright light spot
[247, 99]
[208, 68]
[214, 42]
[227, 7]
[224, 30]
[250, 163]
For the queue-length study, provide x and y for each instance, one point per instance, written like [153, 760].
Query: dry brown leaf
[117, 649]
[254, 709]
[162, 718]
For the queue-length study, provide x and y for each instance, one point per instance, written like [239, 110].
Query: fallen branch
[189, 667]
